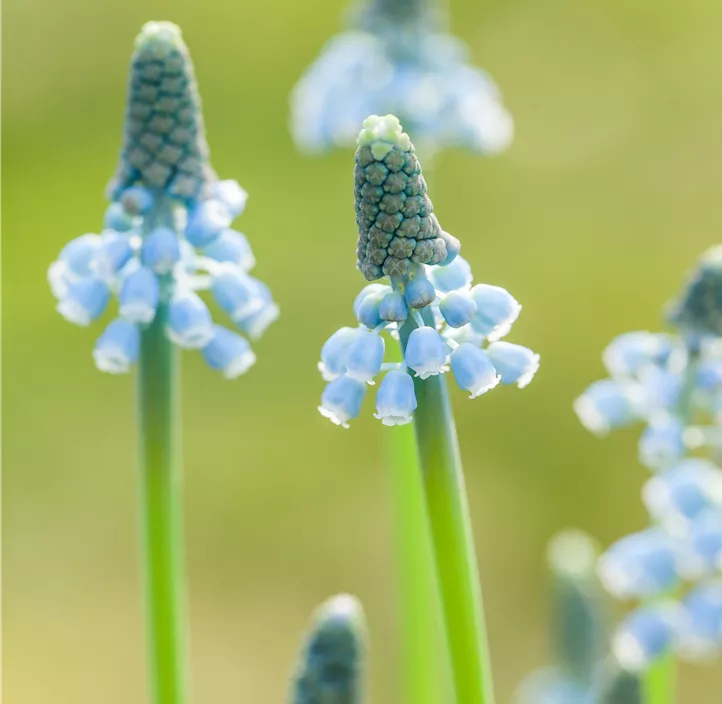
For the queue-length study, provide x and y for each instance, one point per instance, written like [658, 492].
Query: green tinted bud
[164, 145]
[579, 638]
[332, 662]
[393, 210]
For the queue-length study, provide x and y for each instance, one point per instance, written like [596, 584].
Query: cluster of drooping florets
[167, 232]
[442, 320]
[397, 58]
[672, 383]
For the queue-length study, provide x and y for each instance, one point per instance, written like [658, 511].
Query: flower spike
[167, 231]
[397, 57]
[453, 326]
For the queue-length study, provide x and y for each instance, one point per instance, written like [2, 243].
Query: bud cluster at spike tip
[395, 217]
[164, 145]
[672, 383]
[167, 232]
[331, 667]
[397, 58]
[463, 324]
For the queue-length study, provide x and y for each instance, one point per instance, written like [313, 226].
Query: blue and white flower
[398, 59]
[167, 233]
[429, 303]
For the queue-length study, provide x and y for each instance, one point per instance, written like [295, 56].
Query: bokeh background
[608, 195]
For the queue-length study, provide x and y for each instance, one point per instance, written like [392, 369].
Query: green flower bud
[392, 208]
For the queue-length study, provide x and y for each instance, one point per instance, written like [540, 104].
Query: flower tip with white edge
[229, 353]
[341, 400]
[515, 364]
[473, 370]
[118, 347]
[396, 400]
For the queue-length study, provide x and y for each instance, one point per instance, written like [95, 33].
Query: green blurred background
[607, 197]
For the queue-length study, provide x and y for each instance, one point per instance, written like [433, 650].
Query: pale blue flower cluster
[167, 233]
[461, 326]
[398, 59]
[673, 384]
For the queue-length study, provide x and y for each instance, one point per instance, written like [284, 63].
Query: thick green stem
[452, 539]
[660, 680]
[161, 511]
[424, 661]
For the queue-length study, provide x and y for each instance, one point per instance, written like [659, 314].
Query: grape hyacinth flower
[331, 668]
[167, 231]
[672, 383]
[443, 323]
[166, 237]
[430, 300]
[398, 58]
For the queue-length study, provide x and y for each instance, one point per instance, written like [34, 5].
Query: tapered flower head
[331, 667]
[397, 58]
[428, 302]
[167, 231]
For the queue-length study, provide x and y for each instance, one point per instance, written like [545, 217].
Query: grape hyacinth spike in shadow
[397, 57]
[331, 667]
[167, 232]
[400, 240]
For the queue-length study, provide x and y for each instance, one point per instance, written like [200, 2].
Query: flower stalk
[161, 504]
[452, 537]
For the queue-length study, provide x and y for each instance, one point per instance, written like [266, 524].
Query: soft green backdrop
[608, 195]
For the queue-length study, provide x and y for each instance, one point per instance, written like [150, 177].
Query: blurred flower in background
[673, 384]
[397, 57]
[582, 672]
[167, 232]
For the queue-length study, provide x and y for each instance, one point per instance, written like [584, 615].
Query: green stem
[424, 665]
[660, 679]
[452, 539]
[161, 508]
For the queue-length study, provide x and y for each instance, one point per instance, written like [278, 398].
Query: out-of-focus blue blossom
[441, 321]
[633, 353]
[673, 383]
[700, 636]
[228, 352]
[139, 296]
[117, 349]
[703, 549]
[397, 58]
[167, 229]
[683, 493]
[609, 404]
[640, 565]
[646, 634]
[662, 443]
[84, 301]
